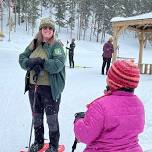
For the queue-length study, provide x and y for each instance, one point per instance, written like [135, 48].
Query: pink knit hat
[123, 74]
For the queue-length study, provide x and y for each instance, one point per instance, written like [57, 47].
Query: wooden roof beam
[131, 28]
[147, 25]
[132, 22]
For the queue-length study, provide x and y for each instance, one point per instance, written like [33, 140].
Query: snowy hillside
[82, 86]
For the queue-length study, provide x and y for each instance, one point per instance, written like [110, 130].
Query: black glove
[35, 61]
[79, 115]
[37, 69]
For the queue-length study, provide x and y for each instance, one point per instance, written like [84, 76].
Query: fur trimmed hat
[47, 22]
[123, 74]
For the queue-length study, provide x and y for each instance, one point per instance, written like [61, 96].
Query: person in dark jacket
[71, 53]
[44, 59]
[107, 55]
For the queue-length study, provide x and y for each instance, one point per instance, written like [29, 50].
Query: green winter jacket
[55, 66]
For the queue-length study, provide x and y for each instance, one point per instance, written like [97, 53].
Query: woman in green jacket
[44, 61]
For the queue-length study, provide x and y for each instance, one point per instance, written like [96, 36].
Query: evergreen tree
[71, 8]
[60, 7]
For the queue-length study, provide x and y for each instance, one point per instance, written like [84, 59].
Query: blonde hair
[110, 39]
[39, 39]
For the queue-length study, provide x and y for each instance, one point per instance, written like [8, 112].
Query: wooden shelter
[142, 25]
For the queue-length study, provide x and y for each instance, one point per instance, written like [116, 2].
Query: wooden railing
[125, 58]
[145, 68]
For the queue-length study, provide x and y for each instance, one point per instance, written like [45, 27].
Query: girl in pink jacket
[113, 122]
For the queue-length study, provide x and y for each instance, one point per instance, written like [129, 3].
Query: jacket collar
[122, 93]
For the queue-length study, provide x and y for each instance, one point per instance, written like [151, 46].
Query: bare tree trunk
[19, 13]
[15, 16]
[41, 8]
[91, 27]
[97, 40]
[94, 30]
[98, 32]
[84, 34]
[32, 17]
[1, 15]
[103, 26]
[78, 28]
[9, 20]
[71, 33]
[103, 36]
[91, 34]
[28, 23]
[32, 26]
[59, 29]
[26, 18]
[67, 29]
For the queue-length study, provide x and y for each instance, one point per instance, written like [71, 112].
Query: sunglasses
[46, 27]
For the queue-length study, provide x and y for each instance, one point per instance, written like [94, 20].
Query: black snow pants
[71, 60]
[44, 102]
[106, 63]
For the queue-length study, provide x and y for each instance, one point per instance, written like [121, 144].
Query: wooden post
[114, 57]
[116, 32]
[141, 43]
[150, 70]
[146, 69]
[141, 68]
[115, 39]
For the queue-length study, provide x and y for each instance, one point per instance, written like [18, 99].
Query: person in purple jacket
[107, 55]
[113, 122]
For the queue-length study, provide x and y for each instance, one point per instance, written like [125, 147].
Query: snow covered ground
[82, 86]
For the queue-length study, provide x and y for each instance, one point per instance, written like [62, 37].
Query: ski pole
[35, 78]
[74, 145]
